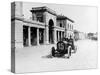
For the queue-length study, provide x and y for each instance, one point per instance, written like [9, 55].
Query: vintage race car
[64, 48]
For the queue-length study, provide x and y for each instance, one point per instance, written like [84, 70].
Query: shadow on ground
[47, 56]
[50, 56]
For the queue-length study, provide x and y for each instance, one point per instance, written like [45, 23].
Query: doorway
[33, 36]
[51, 31]
[25, 35]
[41, 36]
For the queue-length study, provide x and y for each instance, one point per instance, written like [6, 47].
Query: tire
[53, 51]
[69, 51]
[75, 49]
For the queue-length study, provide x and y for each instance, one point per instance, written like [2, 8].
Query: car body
[64, 47]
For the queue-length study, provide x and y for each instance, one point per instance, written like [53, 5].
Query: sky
[85, 17]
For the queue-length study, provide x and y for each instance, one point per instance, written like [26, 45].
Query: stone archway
[51, 31]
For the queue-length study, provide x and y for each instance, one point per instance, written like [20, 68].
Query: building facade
[45, 26]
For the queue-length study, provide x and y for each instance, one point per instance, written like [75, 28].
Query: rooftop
[61, 17]
[44, 8]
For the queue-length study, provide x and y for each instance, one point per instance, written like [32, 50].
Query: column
[65, 33]
[37, 36]
[46, 35]
[55, 40]
[61, 35]
[58, 35]
[29, 36]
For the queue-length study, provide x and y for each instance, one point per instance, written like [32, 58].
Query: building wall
[18, 22]
[63, 22]
[49, 17]
[70, 29]
[38, 26]
[16, 9]
[60, 30]
[81, 35]
[13, 34]
[18, 33]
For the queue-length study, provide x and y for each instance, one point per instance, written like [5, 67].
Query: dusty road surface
[34, 59]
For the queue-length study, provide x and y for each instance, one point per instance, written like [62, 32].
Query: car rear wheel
[53, 51]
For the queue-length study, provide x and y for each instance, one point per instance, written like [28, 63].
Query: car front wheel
[69, 51]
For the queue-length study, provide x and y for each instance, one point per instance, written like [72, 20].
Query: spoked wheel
[69, 51]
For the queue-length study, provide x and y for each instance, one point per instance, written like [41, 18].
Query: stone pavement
[33, 59]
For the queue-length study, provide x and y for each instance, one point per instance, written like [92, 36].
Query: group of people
[70, 40]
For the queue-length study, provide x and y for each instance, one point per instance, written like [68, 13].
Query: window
[39, 17]
[60, 24]
[33, 16]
